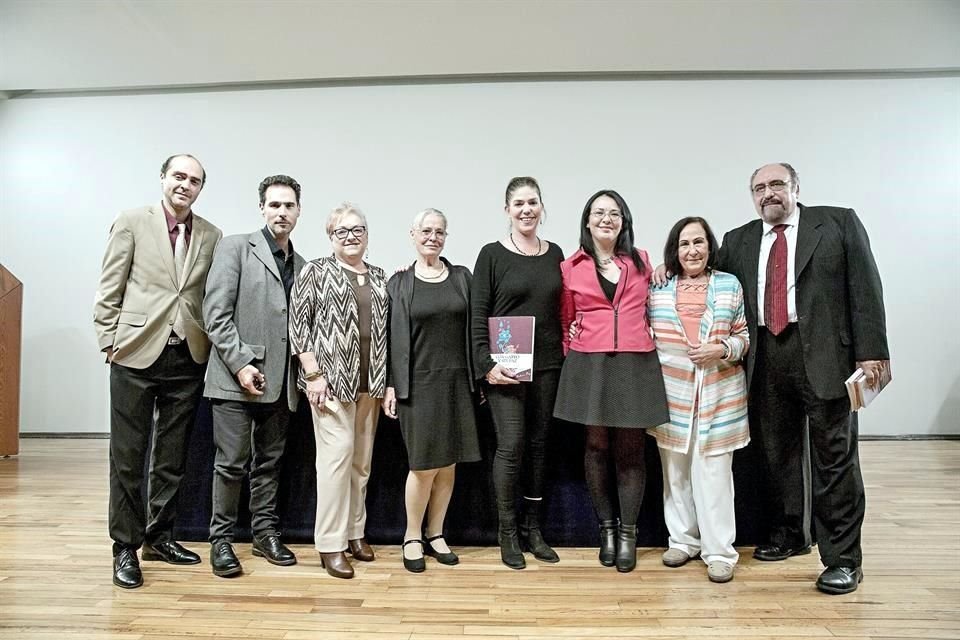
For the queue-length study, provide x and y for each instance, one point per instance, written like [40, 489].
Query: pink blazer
[603, 326]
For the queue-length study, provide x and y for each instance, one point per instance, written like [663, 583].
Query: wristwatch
[313, 375]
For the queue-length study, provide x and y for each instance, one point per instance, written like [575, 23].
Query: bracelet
[313, 375]
[726, 350]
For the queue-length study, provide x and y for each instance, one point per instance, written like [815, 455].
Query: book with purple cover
[511, 344]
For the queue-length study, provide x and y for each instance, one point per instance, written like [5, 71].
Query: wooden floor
[55, 575]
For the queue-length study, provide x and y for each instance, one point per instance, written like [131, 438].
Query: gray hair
[794, 176]
[429, 211]
[340, 212]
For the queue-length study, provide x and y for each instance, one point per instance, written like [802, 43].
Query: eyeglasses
[613, 213]
[439, 234]
[358, 231]
[775, 185]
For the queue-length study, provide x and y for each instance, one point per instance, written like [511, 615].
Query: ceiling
[89, 45]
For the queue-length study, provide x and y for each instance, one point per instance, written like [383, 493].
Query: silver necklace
[521, 251]
[436, 277]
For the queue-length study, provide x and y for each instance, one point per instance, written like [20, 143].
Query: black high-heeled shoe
[419, 565]
[449, 558]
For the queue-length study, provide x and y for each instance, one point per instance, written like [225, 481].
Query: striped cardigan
[324, 319]
[720, 388]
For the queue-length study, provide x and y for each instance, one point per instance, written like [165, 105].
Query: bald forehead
[770, 172]
[186, 165]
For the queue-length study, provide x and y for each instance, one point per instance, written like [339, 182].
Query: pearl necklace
[521, 251]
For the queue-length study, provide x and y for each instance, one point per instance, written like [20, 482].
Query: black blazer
[400, 291]
[839, 296]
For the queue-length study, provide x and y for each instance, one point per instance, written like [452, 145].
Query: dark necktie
[775, 291]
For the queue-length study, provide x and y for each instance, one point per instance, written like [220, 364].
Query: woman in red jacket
[611, 380]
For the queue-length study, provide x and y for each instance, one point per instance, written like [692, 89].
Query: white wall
[888, 147]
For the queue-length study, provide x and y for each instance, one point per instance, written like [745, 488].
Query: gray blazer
[245, 315]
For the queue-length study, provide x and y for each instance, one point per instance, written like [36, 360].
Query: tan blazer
[138, 294]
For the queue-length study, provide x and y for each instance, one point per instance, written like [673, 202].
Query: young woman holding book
[611, 380]
[519, 276]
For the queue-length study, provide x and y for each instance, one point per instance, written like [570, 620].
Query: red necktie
[775, 291]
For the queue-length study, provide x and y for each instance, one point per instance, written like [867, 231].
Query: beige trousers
[344, 439]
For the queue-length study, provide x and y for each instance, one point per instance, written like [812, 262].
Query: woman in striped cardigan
[701, 335]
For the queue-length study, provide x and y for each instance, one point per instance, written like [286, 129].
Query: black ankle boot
[510, 553]
[626, 548]
[530, 537]
[608, 542]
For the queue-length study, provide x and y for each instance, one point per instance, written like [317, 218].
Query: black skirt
[438, 421]
[612, 390]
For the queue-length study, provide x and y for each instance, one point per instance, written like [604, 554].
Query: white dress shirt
[766, 244]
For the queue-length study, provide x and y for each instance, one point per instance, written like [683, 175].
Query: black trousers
[170, 388]
[521, 416]
[254, 433]
[781, 402]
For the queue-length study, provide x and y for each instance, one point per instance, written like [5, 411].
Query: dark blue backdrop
[471, 520]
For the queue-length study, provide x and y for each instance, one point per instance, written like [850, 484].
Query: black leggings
[521, 417]
[626, 448]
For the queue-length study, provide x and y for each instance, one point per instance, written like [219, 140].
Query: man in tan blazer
[149, 322]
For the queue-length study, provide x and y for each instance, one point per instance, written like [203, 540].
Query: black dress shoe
[170, 552]
[449, 558]
[608, 542]
[126, 570]
[223, 560]
[777, 552]
[269, 546]
[838, 580]
[360, 550]
[416, 565]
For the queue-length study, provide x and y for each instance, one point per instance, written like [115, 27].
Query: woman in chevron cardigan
[701, 335]
[338, 329]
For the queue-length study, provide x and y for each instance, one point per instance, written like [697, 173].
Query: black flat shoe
[170, 552]
[223, 561]
[126, 570]
[418, 565]
[449, 558]
[777, 552]
[274, 551]
[840, 580]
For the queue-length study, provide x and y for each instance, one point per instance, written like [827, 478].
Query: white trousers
[344, 449]
[698, 502]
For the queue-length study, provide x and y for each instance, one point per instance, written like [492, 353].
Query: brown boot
[360, 550]
[336, 564]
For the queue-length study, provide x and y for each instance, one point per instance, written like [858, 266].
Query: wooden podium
[11, 304]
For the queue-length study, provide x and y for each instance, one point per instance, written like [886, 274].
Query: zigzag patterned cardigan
[720, 388]
[324, 319]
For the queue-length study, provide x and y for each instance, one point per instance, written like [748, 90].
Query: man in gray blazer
[250, 380]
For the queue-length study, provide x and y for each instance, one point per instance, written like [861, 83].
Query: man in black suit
[814, 306]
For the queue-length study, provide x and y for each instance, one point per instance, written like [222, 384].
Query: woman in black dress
[430, 386]
[520, 276]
